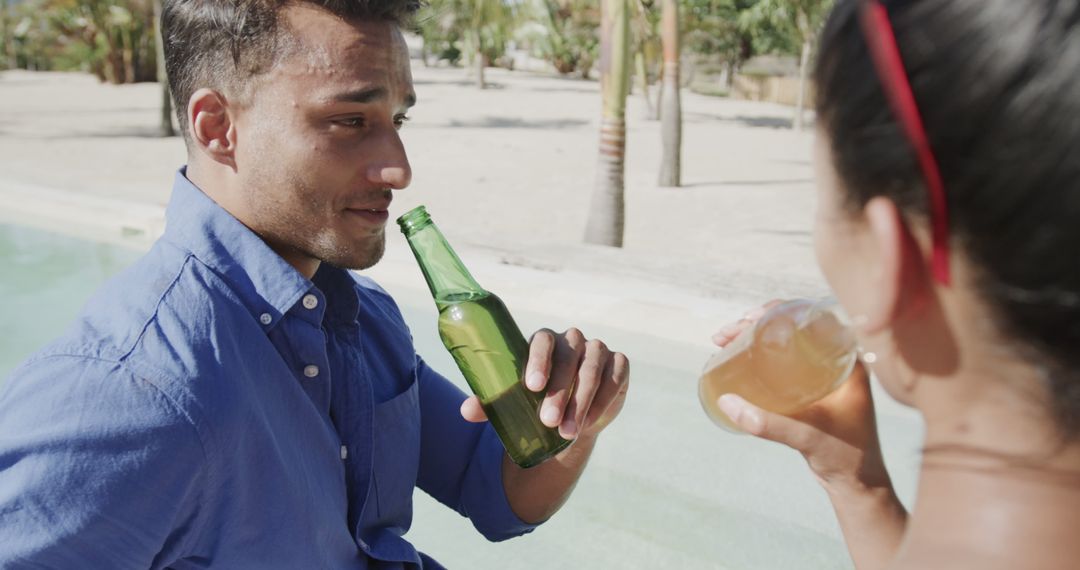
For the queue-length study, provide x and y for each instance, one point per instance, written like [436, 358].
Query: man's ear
[211, 126]
[901, 277]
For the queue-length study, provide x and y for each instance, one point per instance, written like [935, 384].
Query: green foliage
[441, 30]
[735, 30]
[711, 27]
[112, 38]
[572, 37]
[783, 25]
[451, 28]
[34, 45]
[115, 40]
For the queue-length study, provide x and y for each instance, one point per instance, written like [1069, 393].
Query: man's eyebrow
[369, 95]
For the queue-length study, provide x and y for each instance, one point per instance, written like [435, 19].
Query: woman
[948, 164]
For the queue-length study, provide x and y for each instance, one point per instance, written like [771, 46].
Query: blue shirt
[213, 408]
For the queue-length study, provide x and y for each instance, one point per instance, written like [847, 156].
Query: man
[237, 399]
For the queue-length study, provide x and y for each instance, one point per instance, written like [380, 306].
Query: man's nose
[391, 167]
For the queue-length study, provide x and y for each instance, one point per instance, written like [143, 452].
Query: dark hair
[998, 86]
[221, 43]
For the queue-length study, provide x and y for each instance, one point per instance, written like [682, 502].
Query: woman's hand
[838, 437]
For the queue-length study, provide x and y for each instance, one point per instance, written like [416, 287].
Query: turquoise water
[46, 278]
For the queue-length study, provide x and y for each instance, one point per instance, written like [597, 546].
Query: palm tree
[605, 225]
[644, 24]
[801, 20]
[7, 43]
[670, 106]
[485, 21]
[570, 41]
[166, 127]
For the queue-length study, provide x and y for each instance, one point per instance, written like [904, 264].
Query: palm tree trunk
[729, 81]
[804, 67]
[478, 60]
[6, 43]
[10, 48]
[480, 81]
[114, 55]
[804, 64]
[166, 127]
[606, 214]
[671, 110]
[643, 76]
[128, 53]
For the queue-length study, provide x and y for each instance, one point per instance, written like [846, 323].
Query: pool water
[46, 280]
[664, 489]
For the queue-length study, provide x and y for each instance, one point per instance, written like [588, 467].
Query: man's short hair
[221, 43]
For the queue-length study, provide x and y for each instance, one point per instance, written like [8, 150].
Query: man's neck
[219, 191]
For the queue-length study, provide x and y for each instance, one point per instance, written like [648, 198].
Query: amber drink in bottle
[485, 342]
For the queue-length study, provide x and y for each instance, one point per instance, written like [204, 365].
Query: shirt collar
[342, 297]
[265, 283]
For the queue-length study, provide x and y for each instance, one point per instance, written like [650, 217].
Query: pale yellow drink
[798, 352]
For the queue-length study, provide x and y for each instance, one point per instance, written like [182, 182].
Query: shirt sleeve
[98, 468]
[461, 462]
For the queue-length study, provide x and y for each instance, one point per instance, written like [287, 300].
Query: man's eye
[400, 120]
[352, 122]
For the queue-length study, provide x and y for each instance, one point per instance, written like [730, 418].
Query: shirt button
[344, 452]
[265, 318]
[311, 301]
[311, 371]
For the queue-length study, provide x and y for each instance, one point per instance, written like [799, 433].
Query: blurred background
[642, 170]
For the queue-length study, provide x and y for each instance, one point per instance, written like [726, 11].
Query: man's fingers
[472, 411]
[611, 395]
[538, 369]
[589, 377]
[767, 425]
[565, 360]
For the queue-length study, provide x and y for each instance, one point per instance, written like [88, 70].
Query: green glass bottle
[486, 344]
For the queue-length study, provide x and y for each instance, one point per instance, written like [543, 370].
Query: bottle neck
[446, 276]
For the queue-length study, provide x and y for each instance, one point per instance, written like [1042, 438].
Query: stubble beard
[355, 256]
[283, 220]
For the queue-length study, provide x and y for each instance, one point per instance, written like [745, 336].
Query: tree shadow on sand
[731, 183]
[488, 85]
[141, 132]
[517, 123]
[765, 122]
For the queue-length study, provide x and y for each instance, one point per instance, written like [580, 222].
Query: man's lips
[371, 215]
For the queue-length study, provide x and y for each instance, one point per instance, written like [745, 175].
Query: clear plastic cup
[797, 353]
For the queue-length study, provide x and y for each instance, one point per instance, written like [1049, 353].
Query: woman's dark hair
[222, 43]
[998, 86]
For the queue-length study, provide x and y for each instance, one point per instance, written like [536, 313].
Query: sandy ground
[507, 173]
[509, 168]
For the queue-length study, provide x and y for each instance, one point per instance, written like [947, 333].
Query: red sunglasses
[881, 38]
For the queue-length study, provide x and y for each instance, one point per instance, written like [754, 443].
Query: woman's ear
[900, 274]
[212, 129]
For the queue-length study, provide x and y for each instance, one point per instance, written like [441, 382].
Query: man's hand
[586, 386]
[586, 383]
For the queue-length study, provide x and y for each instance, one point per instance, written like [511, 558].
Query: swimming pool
[664, 489]
[47, 278]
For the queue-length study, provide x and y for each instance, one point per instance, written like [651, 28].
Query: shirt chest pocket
[395, 460]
